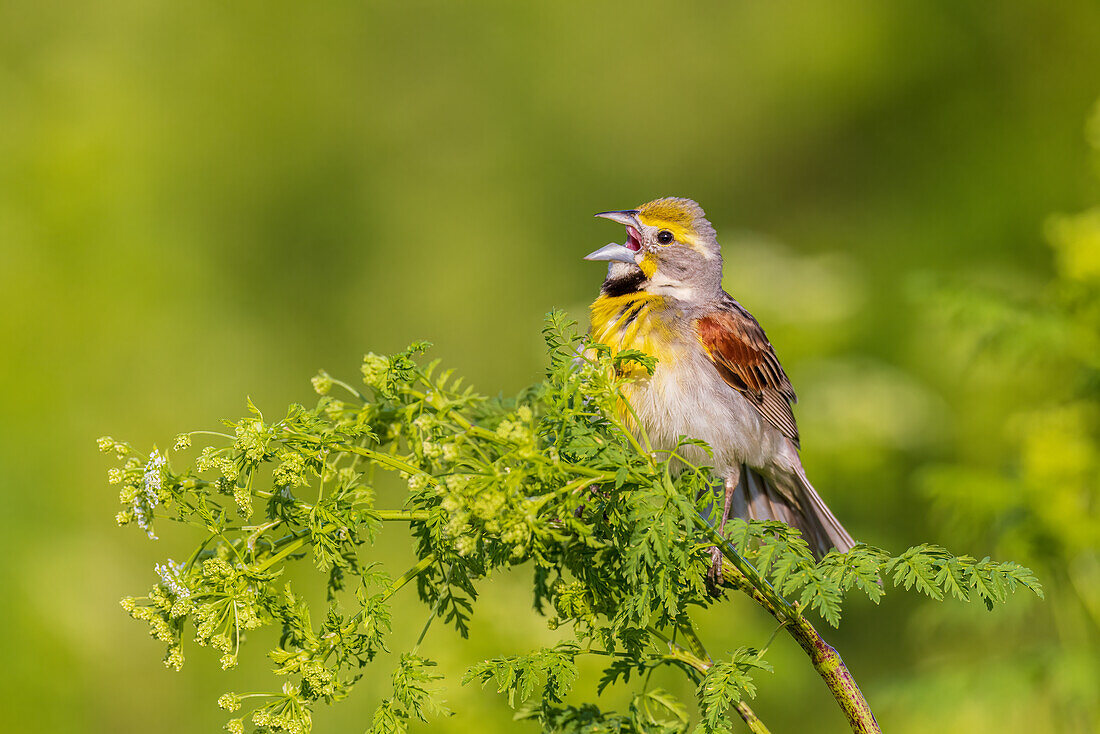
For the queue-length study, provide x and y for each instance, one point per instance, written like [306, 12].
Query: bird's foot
[714, 574]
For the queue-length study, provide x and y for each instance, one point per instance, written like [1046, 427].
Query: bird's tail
[793, 500]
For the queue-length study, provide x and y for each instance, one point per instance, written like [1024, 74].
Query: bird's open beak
[620, 253]
[613, 252]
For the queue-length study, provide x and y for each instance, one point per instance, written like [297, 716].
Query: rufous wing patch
[746, 360]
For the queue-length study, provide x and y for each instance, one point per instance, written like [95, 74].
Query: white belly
[689, 398]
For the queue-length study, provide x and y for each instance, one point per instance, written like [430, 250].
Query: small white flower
[171, 576]
[142, 519]
[153, 477]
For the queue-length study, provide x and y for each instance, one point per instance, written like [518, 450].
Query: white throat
[662, 285]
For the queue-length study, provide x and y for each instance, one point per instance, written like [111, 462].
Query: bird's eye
[664, 236]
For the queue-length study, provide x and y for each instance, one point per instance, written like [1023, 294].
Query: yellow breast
[632, 321]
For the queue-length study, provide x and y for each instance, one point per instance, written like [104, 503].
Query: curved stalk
[756, 726]
[825, 659]
[698, 659]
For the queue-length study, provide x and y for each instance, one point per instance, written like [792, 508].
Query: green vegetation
[205, 200]
[552, 479]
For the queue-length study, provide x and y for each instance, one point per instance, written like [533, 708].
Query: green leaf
[917, 567]
[726, 683]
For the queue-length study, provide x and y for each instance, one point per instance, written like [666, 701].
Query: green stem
[749, 572]
[693, 640]
[291, 548]
[475, 430]
[702, 662]
[829, 665]
[756, 726]
[391, 461]
[402, 515]
[396, 586]
[630, 434]
[409, 575]
[825, 659]
[648, 451]
[385, 515]
[362, 398]
[438, 606]
[491, 436]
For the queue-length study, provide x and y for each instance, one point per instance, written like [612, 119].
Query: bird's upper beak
[616, 252]
[629, 217]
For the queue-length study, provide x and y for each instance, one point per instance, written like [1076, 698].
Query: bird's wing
[745, 359]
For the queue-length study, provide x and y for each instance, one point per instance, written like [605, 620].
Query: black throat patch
[623, 284]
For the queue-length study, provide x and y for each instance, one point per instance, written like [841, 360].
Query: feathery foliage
[550, 479]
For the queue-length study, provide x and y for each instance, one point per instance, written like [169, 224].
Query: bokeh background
[202, 201]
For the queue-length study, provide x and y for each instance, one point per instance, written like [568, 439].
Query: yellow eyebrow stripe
[678, 216]
[671, 212]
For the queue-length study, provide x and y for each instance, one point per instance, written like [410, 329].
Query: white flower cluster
[153, 478]
[153, 483]
[171, 577]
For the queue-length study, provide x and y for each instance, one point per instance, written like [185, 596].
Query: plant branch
[391, 461]
[825, 659]
[702, 662]
[756, 726]
[402, 515]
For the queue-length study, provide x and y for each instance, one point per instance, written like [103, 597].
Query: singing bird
[717, 378]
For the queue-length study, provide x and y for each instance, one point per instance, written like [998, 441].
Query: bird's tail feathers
[794, 501]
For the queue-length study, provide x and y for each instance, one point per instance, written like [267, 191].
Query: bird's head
[673, 245]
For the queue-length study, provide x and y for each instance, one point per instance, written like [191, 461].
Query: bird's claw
[714, 573]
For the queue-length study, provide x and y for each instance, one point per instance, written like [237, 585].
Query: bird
[717, 377]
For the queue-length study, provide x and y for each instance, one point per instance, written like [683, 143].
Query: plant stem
[396, 586]
[756, 726]
[825, 659]
[438, 605]
[834, 672]
[398, 515]
[391, 461]
[702, 662]
[297, 538]
[294, 546]
[409, 575]
[693, 640]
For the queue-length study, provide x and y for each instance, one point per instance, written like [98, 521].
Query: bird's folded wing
[745, 359]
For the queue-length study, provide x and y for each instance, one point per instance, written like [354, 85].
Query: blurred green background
[202, 201]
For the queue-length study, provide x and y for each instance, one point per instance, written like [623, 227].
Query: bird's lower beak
[613, 252]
